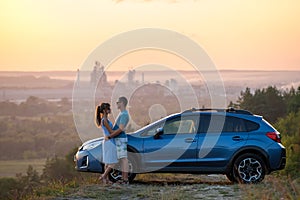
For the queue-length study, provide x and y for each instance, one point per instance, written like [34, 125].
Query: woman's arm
[105, 123]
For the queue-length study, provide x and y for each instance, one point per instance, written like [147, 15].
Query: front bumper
[87, 162]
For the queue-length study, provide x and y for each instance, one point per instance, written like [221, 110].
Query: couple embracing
[115, 139]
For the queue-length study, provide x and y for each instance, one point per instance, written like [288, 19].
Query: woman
[108, 148]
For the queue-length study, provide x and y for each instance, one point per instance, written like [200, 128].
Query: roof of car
[210, 110]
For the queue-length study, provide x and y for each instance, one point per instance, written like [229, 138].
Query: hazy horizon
[228, 76]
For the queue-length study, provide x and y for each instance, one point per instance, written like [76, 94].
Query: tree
[289, 127]
[245, 100]
[26, 184]
[59, 169]
[292, 98]
[7, 187]
[267, 102]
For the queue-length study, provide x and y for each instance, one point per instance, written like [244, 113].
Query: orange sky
[60, 34]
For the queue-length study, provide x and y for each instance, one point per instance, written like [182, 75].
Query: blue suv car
[243, 146]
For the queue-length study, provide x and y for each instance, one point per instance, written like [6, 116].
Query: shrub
[7, 187]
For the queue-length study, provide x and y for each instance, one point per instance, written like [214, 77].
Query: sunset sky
[39, 35]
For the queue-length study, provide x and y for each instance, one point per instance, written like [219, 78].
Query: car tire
[116, 173]
[249, 168]
[230, 177]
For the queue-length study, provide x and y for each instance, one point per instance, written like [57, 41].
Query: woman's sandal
[100, 178]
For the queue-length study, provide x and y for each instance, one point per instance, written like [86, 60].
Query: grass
[9, 168]
[159, 186]
[174, 187]
[273, 188]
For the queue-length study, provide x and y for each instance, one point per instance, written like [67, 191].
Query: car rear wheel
[116, 173]
[249, 168]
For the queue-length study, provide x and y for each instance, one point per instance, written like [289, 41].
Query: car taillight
[274, 136]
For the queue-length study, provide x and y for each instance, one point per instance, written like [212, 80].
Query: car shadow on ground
[184, 180]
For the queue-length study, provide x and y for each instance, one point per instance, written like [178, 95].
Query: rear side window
[234, 124]
[216, 123]
[251, 126]
[211, 123]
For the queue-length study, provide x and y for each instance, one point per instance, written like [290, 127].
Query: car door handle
[189, 140]
[237, 138]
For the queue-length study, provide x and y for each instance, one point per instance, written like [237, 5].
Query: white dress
[109, 149]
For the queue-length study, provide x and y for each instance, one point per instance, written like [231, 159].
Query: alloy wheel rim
[250, 170]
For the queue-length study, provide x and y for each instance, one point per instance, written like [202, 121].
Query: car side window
[212, 123]
[217, 123]
[234, 124]
[151, 131]
[180, 126]
[251, 126]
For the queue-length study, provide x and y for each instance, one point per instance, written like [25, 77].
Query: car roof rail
[231, 110]
[239, 111]
[204, 109]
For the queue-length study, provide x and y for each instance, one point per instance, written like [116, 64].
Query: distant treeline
[36, 129]
[28, 138]
[269, 102]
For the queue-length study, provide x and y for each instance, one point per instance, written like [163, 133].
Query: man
[120, 137]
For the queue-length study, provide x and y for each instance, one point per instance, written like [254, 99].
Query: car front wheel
[249, 168]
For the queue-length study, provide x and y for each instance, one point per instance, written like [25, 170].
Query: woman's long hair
[99, 112]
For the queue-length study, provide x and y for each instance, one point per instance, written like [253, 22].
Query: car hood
[100, 139]
[93, 140]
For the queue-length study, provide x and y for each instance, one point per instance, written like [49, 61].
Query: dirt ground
[165, 186]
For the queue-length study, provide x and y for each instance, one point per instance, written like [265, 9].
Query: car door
[220, 137]
[176, 147]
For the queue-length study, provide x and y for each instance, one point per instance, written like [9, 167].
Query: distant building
[93, 79]
[143, 78]
[98, 75]
[131, 76]
[78, 77]
[102, 76]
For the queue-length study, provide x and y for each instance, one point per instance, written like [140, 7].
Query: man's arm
[116, 132]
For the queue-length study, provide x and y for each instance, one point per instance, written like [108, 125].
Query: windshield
[150, 125]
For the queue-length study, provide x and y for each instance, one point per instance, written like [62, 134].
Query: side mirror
[158, 133]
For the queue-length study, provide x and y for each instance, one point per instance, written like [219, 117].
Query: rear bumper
[282, 160]
[277, 157]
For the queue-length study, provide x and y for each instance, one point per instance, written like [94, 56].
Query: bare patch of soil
[162, 186]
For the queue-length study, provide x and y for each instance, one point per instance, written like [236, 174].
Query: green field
[9, 168]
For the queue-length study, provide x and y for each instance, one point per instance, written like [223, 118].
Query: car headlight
[91, 145]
